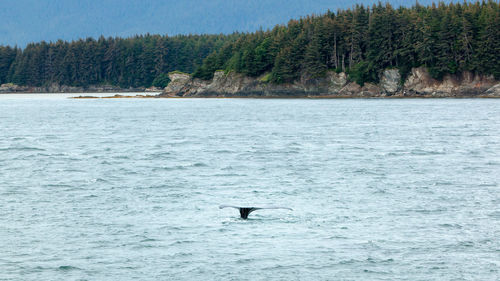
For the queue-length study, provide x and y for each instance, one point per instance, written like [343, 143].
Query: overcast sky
[24, 21]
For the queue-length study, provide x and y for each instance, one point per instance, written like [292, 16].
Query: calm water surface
[129, 189]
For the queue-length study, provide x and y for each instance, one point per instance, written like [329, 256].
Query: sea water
[121, 189]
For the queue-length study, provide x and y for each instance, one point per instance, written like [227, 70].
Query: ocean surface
[122, 189]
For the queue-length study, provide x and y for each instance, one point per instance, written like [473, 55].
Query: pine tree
[314, 65]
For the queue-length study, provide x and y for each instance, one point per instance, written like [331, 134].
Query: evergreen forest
[131, 62]
[362, 41]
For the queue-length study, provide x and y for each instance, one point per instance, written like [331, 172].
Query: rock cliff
[418, 84]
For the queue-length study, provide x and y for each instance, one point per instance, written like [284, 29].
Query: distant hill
[24, 21]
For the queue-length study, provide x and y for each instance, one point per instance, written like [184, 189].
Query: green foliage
[161, 81]
[446, 38]
[363, 41]
[266, 78]
[284, 67]
[313, 59]
[206, 71]
[363, 72]
[130, 62]
[7, 57]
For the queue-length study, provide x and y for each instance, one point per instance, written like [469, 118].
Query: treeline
[131, 62]
[363, 41]
[445, 38]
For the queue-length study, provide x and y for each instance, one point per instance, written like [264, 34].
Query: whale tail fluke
[245, 211]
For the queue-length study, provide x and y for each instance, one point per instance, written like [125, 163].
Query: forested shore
[361, 42]
[140, 61]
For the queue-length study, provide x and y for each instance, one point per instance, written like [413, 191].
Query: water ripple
[119, 190]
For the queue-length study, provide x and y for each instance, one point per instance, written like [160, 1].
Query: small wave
[179, 143]
[161, 186]
[181, 255]
[174, 168]
[128, 171]
[195, 165]
[446, 183]
[67, 268]
[148, 240]
[25, 148]
[367, 172]
[159, 155]
[473, 152]
[373, 271]
[245, 260]
[466, 244]
[96, 180]
[280, 267]
[338, 237]
[488, 184]
[372, 260]
[121, 157]
[426, 211]
[182, 242]
[450, 225]
[350, 261]
[426, 152]
[74, 171]
[380, 191]
[229, 175]
[57, 185]
[495, 214]
[395, 154]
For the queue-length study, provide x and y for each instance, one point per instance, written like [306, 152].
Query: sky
[25, 21]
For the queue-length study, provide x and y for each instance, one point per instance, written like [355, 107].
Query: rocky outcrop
[493, 91]
[418, 84]
[391, 81]
[12, 88]
[153, 89]
[237, 85]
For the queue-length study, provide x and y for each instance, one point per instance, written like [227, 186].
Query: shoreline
[419, 84]
[159, 95]
[281, 97]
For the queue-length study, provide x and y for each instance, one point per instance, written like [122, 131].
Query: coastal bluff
[419, 83]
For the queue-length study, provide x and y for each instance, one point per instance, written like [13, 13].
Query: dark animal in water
[245, 211]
